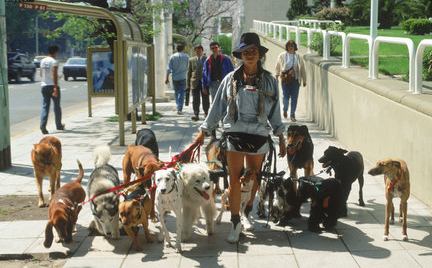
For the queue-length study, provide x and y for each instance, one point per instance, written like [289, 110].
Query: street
[25, 98]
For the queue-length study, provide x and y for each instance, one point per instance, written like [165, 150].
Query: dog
[299, 150]
[169, 197]
[397, 184]
[135, 210]
[197, 194]
[64, 208]
[284, 205]
[47, 161]
[147, 138]
[348, 167]
[216, 159]
[245, 194]
[104, 207]
[139, 160]
[326, 204]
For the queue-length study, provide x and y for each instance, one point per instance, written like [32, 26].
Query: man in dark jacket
[194, 82]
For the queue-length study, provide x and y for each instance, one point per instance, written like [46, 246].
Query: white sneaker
[233, 236]
[247, 224]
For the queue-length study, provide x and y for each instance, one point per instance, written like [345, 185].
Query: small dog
[135, 210]
[147, 138]
[169, 197]
[325, 195]
[245, 194]
[216, 163]
[284, 205]
[139, 160]
[104, 207]
[347, 168]
[63, 210]
[46, 157]
[397, 184]
[197, 193]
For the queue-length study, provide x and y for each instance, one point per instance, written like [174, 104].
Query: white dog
[169, 194]
[246, 188]
[197, 193]
[104, 207]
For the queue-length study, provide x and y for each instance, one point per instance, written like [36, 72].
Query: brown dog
[63, 211]
[46, 157]
[396, 179]
[135, 210]
[299, 150]
[139, 160]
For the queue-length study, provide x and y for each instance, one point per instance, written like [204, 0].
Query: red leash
[188, 155]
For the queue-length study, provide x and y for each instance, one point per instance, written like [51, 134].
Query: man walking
[178, 67]
[194, 82]
[50, 89]
[216, 67]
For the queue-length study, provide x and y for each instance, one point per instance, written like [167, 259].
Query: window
[226, 24]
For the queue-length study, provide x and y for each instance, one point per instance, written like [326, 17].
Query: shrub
[427, 66]
[225, 43]
[338, 13]
[417, 26]
[317, 39]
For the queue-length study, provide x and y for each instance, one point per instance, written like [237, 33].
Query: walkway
[356, 243]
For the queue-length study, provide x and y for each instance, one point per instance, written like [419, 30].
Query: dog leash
[193, 150]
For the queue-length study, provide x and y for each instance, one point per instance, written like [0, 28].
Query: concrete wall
[376, 117]
[267, 10]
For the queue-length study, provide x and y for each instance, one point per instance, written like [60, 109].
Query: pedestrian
[178, 67]
[290, 68]
[50, 89]
[194, 82]
[248, 102]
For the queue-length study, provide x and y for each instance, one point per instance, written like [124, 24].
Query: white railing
[415, 56]
[317, 23]
[346, 49]
[394, 40]
[419, 65]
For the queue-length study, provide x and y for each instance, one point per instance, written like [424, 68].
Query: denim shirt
[249, 121]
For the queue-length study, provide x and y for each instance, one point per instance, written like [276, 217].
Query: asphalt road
[25, 98]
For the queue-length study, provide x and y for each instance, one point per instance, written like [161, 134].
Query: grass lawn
[393, 58]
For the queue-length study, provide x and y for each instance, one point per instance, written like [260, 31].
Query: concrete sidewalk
[357, 242]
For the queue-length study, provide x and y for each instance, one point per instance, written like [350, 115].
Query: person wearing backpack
[290, 69]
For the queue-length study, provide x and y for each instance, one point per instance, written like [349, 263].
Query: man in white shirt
[50, 89]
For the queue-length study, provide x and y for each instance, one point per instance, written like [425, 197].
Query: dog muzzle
[203, 194]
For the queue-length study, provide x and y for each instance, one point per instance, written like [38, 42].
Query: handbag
[288, 76]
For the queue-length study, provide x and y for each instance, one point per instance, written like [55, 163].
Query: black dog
[326, 202]
[284, 205]
[147, 138]
[347, 168]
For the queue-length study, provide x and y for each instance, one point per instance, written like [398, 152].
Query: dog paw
[385, 238]
[400, 220]
[149, 238]
[42, 204]
[361, 203]
[405, 238]
[391, 221]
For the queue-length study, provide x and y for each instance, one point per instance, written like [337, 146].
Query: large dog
[139, 160]
[147, 138]
[300, 150]
[197, 194]
[397, 184]
[325, 195]
[63, 210]
[135, 210]
[348, 167]
[104, 207]
[169, 197]
[46, 157]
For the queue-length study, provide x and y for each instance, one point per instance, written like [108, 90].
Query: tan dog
[396, 179]
[46, 157]
[139, 160]
[63, 211]
[135, 210]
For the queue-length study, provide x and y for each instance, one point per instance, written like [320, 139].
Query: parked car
[75, 67]
[19, 65]
[37, 60]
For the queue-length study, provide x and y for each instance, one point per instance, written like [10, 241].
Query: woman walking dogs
[290, 68]
[248, 103]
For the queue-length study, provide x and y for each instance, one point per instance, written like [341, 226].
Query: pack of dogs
[189, 191]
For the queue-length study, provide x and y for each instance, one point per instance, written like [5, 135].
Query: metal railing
[415, 80]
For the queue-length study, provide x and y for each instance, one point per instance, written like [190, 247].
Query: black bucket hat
[248, 40]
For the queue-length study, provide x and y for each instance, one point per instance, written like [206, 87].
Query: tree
[298, 8]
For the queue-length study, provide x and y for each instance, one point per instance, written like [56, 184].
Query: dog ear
[173, 173]
[343, 151]
[140, 171]
[48, 235]
[304, 129]
[396, 164]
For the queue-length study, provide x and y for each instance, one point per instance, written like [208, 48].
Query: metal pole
[373, 33]
[37, 34]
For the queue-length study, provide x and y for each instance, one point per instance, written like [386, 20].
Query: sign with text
[33, 6]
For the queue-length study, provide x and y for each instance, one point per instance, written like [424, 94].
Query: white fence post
[418, 85]
[326, 45]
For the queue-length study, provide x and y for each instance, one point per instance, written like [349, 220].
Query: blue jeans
[290, 91]
[46, 101]
[179, 91]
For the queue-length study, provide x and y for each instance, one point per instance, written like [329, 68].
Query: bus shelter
[131, 61]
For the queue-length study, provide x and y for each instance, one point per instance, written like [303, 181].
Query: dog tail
[102, 155]
[81, 172]
[49, 236]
